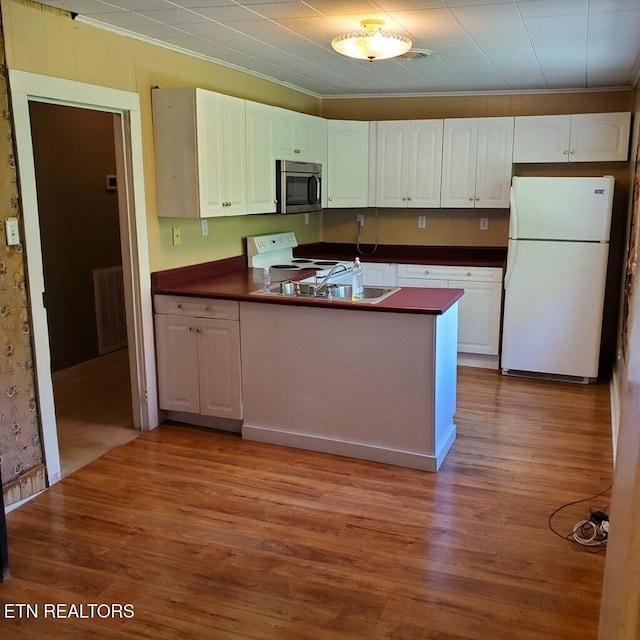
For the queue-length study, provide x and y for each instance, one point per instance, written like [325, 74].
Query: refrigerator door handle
[511, 260]
[513, 215]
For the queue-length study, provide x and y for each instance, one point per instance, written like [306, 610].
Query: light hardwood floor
[209, 536]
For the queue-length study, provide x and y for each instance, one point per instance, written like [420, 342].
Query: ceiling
[478, 45]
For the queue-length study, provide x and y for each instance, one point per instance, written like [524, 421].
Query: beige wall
[476, 106]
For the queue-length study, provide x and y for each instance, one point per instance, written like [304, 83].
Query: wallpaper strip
[21, 455]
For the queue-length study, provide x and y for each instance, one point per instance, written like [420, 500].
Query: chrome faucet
[323, 284]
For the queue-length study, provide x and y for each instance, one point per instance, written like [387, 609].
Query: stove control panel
[272, 242]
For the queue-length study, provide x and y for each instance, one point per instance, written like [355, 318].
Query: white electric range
[275, 252]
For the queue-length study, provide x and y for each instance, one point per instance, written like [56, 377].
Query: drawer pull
[207, 308]
[469, 274]
[180, 306]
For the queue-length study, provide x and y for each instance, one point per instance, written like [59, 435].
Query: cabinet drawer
[440, 272]
[197, 307]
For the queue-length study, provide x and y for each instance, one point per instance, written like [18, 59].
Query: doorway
[124, 108]
[75, 163]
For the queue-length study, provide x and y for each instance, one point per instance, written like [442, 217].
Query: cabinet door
[541, 138]
[348, 164]
[177, 355]
[261, 162]
[222, 154]
[219, 368]
[478, 316]
[424, 165]
[392, 162]
[459, 155]
[234, 158]
[210, 151]
[599, 137]
[313, 139]
[494, 164]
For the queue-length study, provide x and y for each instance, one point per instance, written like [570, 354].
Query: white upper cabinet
[476, 162]
[200, 153]
[347, 171]
[261, 160]
[589, 137]
[298, 136]
[409, 163]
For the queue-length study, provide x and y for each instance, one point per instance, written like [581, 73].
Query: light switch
[422, 222]
[13, 233]
[484, 224]
[176, 236]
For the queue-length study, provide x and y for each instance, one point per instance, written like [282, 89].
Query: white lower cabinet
[198, 356]
[479, 307]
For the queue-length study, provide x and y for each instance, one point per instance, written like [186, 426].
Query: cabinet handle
[190, 328]
[198, 330]
[180, 306]
[409, 198]
[207, 308]
[572, 151]
[468, 274]
[296, 151]
[330, 198]
[565, 151]
[426, 270]
[477, 197]
[471, 198]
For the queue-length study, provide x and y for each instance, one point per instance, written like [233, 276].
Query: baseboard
[413, 460]
[478, 360]
[223, 424]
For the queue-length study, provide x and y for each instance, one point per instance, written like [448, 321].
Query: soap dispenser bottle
[357, 290]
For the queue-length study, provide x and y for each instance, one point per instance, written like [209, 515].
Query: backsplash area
[442, 227]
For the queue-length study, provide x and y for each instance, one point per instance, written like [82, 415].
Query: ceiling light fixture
[371, 44]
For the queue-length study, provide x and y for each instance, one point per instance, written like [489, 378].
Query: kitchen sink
[329, 292]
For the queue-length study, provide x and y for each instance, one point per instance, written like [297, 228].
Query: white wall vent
[108, 288]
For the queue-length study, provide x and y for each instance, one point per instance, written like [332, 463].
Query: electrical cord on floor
[375, 245]
[591, 534]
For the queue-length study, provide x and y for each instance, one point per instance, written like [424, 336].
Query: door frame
[125, 106]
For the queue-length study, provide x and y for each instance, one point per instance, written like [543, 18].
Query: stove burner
[326, 263]
[285, 266]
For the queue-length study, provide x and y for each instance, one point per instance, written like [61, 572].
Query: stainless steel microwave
[298, 186]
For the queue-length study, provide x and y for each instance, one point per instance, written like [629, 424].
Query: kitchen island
[375, 381]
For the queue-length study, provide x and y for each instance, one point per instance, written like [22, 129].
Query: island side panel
[350, 382]
[446, 382]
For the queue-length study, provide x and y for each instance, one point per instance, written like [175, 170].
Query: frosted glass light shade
[373, 44]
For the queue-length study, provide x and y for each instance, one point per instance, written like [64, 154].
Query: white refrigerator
[555, 277]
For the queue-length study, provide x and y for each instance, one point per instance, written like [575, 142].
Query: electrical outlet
[13, 234]
[484, 224]
[205, 227]
[176, 236]
[360, 219]
[422, 222]
[306, 218]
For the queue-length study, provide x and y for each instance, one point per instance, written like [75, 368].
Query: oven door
[299, 192]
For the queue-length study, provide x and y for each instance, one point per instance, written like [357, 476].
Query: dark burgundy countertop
[407, 254]
[230, 279]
